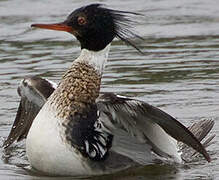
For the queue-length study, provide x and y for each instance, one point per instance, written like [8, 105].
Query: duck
[73, 129]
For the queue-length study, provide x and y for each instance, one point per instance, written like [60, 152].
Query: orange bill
[56, 26]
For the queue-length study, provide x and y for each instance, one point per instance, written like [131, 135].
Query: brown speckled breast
[79, 86]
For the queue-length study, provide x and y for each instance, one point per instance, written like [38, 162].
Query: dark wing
[34, 92]
[141, 120]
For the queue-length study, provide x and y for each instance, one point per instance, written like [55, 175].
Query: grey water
[179, 71]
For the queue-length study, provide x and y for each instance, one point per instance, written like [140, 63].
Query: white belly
[46, 150]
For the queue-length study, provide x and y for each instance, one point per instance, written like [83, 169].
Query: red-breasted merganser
[73, 129]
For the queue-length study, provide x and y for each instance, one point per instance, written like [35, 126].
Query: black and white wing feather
[84, 132]
[147, 124]
[34, 92]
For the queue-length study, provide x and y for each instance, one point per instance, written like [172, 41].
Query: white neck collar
[96, 59]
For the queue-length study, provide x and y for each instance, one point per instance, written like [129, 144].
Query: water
[179, 72]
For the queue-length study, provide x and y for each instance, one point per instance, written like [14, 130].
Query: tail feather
[200, 130]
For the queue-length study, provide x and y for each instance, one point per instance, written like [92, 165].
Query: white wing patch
[125, 119]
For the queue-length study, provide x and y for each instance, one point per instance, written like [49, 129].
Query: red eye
[81, 20]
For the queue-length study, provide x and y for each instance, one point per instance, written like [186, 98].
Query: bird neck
[80, 85]
[96, 59]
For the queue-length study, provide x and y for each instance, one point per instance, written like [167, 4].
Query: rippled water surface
[179, 72]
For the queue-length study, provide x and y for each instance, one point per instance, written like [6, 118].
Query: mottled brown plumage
[75, 104]
[79, 87]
